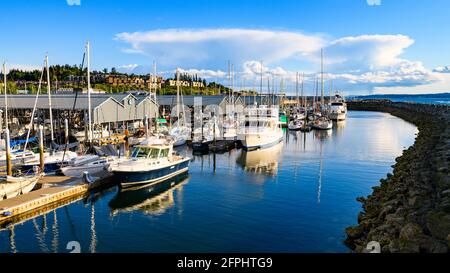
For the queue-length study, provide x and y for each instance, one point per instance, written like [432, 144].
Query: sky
[369, 46]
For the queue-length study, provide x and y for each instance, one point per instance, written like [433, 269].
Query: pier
[53, 192]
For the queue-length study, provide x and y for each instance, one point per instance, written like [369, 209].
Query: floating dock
[53, 192]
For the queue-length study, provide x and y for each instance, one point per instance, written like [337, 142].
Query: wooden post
[8, 153]
[41, 148]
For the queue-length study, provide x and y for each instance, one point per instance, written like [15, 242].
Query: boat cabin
[152, 151]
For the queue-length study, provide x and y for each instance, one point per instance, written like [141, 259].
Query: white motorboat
[338, 108]
[149, 164]
[97, 166]
[263, 128]
[53, 161]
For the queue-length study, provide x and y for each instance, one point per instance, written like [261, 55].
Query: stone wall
[410, 210]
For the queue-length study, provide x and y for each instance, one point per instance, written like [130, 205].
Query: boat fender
[6, 213]
[87, 178]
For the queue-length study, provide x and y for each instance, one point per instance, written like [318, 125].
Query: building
[106, 108]
[186, 83]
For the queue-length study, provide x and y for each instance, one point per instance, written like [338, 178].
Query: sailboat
[298, 116]
[11, 186]
[53, 159]
[323, 122]
[180, 132]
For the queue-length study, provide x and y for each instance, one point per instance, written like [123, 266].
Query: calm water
[295, 197]
[442, 99]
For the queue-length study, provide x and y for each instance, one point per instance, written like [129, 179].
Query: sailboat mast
[6, 101]
[49, 98]
[178, 96]
[7, 142]
[303, 99]
[89, 92]
[321, 69]
[296, 88]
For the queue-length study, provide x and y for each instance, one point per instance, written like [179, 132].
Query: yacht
[263, 128]
[149, 164]
[338, 108]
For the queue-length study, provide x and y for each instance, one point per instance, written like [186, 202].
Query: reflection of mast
[40, 236]
[320, 175]
[55, 233]
[12, 242]
[93, 234]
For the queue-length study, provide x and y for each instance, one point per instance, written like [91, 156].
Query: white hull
[263, 139]
[15, 186]
[338, 116]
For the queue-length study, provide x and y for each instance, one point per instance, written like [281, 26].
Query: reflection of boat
[152, 199]
[261, 161]
[323, 134]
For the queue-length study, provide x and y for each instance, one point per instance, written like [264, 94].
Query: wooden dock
[53, 192]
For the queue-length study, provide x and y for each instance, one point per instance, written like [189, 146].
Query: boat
[180, 132]
[149, 164]
[263, 128]
[12, 186]
[93, 164]
[296, 124]
[53, 161]
[338, 108]
[322, 123]
[283, 119]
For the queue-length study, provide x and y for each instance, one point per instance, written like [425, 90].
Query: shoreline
[410, 210]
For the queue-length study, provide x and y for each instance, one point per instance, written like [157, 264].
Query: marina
[223, 197]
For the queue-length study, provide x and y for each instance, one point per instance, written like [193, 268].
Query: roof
[64, 101]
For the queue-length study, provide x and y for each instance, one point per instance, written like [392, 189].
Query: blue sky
[394, 46]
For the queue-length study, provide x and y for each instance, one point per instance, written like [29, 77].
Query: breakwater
[410, 210]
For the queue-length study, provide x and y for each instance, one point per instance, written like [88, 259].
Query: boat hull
[129, 179]
[338, 116]
[255, 141]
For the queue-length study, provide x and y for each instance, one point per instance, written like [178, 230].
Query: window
[154, 153]
[164, 153]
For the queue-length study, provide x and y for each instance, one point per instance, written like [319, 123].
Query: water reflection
[264, 161]
[152, 199]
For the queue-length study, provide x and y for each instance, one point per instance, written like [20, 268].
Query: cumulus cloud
[361, 63]
[199, 47]
[129, 66]
[73, 2]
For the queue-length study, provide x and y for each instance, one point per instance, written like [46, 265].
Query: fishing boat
[322, 123]
[149, 164]
[338, 108]
[263, 128]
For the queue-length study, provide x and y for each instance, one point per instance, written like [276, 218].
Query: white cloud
[356, 63]
[129, 66]
[73, 2]
[199, 47]
[204, 73]
[373, 2]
